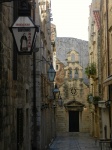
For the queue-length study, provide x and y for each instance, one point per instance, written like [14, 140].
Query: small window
[70, 73]
[76, 73]
[56, 67]
[73, 58]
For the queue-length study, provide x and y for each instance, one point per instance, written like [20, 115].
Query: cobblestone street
[74, 141]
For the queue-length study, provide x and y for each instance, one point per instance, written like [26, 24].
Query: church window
[73, 58]
[76, 73]
[70, 73]
[56, 67]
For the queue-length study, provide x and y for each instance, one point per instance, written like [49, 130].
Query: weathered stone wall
[6, 110]
[106, 65]
[12, 92]
[44, 98]
[17, 94]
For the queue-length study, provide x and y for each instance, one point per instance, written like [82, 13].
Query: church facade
[73, 113]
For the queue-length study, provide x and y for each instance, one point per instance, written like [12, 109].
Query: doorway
[73, 121]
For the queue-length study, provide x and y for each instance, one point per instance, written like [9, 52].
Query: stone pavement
[74, 141]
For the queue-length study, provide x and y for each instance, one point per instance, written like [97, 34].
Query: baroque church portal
[71, 60]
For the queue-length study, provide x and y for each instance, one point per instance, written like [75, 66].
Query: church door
[73, 121]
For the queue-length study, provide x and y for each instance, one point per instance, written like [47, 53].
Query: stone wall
[14, 94]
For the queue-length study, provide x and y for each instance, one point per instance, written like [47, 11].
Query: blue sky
[71, 18]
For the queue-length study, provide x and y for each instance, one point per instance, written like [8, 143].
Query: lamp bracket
[43, 59]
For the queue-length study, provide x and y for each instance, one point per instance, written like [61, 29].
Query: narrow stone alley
[75, 141]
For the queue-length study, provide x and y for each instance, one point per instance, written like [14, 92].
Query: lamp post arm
[43, 59]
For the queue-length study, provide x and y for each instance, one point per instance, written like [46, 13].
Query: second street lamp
[51, 73]
[60, 102]
[55, 91]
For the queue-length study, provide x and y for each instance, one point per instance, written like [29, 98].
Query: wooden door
[73, 121]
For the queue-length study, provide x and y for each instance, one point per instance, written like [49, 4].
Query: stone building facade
[15, 88]
[46, 113]
[27, 118]
[95, 60]
[72, 114]
[102, 39]
[106, 63]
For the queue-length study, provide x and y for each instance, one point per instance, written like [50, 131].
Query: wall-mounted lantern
[55, 91]
[91, 98]
[23, 31]
[108, 103]
[51, 73]
[60, 102]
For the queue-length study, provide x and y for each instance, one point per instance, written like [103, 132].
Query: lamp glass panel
[51, 73]
[56, 91]
[60, 102]
[91, 98]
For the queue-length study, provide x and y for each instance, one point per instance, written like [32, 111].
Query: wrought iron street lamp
[60, 102]
[51, 73]
[90, 98]
[57, 91]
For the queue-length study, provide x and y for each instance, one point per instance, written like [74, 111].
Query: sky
[71, 18]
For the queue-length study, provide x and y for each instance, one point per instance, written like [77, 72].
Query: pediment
[74, 105]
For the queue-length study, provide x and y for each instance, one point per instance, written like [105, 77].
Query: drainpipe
[108, 64]
[107, 38]
[34, 136]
